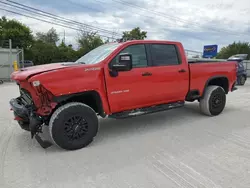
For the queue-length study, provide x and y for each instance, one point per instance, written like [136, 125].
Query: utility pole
[113, 33]
[23, 57]
[10, 59]
[64, 36]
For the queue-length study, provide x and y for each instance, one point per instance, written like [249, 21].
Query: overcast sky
[193, 22]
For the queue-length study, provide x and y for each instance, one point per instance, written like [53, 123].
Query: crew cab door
[170, 72]
[130, 89]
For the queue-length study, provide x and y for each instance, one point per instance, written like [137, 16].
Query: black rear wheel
[73, 126]
[214, 101]
[242, 80]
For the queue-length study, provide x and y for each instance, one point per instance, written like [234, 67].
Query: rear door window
[164, 55]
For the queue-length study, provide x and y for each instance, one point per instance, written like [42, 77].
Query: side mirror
[124, 63]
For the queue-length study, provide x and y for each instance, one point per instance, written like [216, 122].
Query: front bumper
[26, 115]
[28, 120]
[20, 111]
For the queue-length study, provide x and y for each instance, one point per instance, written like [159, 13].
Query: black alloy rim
[217, 101]
[76, 127]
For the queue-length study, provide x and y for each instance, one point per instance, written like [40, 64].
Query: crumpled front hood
[25, 73]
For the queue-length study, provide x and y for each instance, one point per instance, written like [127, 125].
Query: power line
[81, 5]
[53, 16]
[68, 21]
[78, 4]
[163, 19]
[57, 17]
[94, 9]
[73, 28]
[60, 19]
[154, 12]
[153, 18]
[112, 33]
[171, 17]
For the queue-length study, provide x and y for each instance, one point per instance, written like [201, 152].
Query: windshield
[98, 54]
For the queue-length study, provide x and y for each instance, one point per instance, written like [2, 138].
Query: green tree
[134, 34]
[66, 53]
[88, 41]
[19, 33]
[42, 53]
[235, 48]
[50, 37]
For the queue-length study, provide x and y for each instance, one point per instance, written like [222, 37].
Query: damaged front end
[30, 117]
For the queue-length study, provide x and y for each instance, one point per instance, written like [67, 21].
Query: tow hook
[35, 126]
[43, 143]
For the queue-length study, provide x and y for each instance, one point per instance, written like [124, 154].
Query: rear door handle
[147, 74]
[182, 70]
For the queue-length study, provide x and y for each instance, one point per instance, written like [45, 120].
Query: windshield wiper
[81, 62]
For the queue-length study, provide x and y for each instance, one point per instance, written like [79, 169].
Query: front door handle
[147, 74]
[182, 70]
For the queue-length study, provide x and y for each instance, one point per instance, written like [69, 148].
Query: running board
[146, 110]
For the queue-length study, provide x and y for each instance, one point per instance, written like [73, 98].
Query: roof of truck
[146, 41]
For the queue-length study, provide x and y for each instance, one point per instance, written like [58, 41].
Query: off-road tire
[213, 101]
[242, 80]
[64, 129]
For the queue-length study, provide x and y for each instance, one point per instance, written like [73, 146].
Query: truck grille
[25, 97]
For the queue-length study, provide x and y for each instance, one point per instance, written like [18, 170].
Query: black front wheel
[73, 126]
[213, 101]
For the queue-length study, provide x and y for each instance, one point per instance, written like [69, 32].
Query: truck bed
[204, 60]
[201, 71]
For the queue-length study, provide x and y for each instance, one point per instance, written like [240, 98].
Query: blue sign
[210, 51]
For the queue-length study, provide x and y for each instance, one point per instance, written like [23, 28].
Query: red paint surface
[165, 85]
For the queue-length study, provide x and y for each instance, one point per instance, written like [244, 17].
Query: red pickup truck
[117, 80]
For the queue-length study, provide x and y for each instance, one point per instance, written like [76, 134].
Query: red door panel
[171, 74]
[169, 84]
[129, 90]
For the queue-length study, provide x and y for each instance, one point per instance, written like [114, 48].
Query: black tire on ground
[214, 101]
[1, 81]
[73, 126]
[242, 80]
